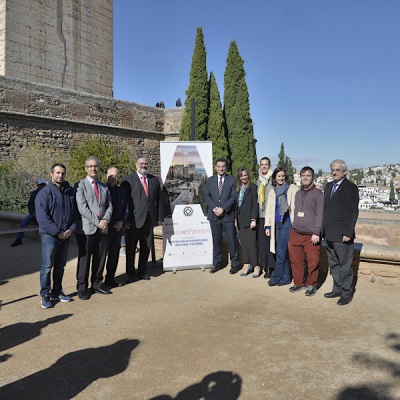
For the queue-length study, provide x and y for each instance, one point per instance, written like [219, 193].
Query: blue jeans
[54, 255]
[25, 222]
[282, 273]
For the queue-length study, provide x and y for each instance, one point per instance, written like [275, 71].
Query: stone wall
[53, 118]
[63, 43]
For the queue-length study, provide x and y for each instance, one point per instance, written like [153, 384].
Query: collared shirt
[140, 177]
[91, 181]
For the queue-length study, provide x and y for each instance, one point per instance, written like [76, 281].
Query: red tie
[220, 185]
[96, 191]
[145, 187]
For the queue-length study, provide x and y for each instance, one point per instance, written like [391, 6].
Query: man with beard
[146, 211]
[56, 215]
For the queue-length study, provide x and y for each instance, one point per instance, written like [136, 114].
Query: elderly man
[220, 196]
[146, 211]
[305, 235]
[94, 204]
[56, 216]
[116, 228]
[340, 217]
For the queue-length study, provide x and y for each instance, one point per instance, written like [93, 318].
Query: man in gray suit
[94, 204]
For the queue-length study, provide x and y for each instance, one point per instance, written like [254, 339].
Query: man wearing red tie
[143, 192]
[94, 204]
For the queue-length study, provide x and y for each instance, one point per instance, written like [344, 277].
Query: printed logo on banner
[188, 211]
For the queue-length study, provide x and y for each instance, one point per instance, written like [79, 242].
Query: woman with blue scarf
[278, 223]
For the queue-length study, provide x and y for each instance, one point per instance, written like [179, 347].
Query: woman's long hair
[239, 174]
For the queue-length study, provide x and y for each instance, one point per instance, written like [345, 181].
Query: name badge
[300, 214]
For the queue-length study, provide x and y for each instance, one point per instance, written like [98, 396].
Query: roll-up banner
[187, 240]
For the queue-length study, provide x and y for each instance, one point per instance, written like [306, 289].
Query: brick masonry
[55, 118]
[63, 43]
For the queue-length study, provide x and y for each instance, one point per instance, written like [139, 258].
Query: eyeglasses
[92, 166]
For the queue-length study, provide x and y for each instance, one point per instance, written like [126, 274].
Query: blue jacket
[56, 209]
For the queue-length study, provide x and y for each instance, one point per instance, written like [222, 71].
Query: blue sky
[323, 75]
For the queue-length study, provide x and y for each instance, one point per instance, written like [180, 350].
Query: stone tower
[62, 43]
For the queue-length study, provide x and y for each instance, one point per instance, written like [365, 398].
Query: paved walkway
[193, 335]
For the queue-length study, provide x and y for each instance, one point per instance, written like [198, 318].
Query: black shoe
[331, 295]
[342, 301]
[145, 278]
[233, 271]
[295, 289]
[130, 279]
[270, 283]
[311, 292]
[102, 290]
[16, 242]
[114, 284]
[282, 284]
[85, 295]
[215, 268]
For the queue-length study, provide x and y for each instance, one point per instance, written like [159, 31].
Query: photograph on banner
[185, 167]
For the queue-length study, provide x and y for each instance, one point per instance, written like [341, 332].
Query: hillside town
[378, 186]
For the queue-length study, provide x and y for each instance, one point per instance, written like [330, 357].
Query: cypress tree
[392, 195]
[237, 114]
[286, 163]
[198, 89]
[216, 129]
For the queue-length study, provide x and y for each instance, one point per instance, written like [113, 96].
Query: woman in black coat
[246, 221]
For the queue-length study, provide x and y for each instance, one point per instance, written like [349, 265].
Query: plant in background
[107, 151]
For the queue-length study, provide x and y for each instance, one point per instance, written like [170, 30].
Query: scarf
[280, 192]
[261, 190]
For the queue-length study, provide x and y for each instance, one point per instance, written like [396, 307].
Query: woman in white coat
[279, 215]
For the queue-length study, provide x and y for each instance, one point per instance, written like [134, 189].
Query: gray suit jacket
[89, 207]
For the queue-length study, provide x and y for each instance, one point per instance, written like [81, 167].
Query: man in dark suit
[94, 204]
[340, 216]
[145, 211]
[116, 227]
[220, 194]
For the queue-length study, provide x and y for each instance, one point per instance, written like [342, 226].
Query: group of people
[98, 213]
[280, 225]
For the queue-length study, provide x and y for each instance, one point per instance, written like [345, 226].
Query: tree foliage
[198, 89]
[286, 163]
[107, 151]
[237, 114]
[216, 122]
[392, 195]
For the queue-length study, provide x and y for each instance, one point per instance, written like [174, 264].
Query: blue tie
[335, 186]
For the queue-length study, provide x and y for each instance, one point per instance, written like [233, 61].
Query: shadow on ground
[21, 332]
[221, 385]
[376, 390]
[72, 373]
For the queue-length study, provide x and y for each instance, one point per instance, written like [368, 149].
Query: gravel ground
[193, 335]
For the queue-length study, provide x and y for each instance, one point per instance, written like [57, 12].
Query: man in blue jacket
[56, 215]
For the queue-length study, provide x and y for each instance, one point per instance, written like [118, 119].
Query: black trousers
[92, 252]
[114, 245]
[134, 236]
[230, 231]
[267, 259]
[248, 243]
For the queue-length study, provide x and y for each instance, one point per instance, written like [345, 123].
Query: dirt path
[193, 335]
